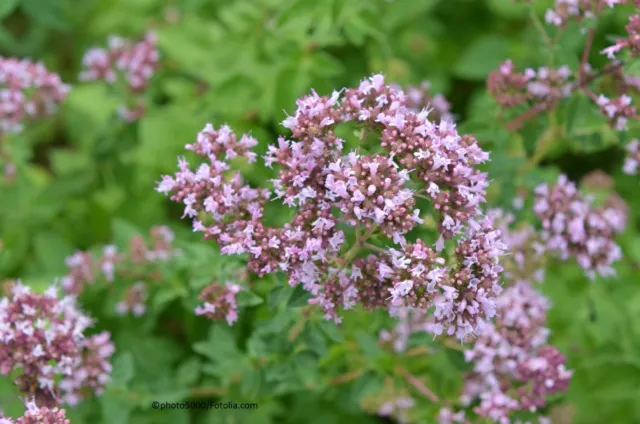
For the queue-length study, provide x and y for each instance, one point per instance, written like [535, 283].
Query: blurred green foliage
[85, 178]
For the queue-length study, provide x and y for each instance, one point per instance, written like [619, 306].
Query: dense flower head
[545, 374]
[574, 227]
[468, 300]
[419, 97]
[124, 62]
[544, 86]
[220, 302]
[445, 164]
[371, 190]
[513, 367]
[28, 91]
[92, 372]
[213, 188]
[338, 196]
[507, 86]
[38, 415]
[41, 336]
[632, 161]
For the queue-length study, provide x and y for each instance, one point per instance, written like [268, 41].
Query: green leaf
[110, 198]
[481, 57]
[220, 343]
[456, 357]
[251, 382]
[508, 8]
[367, 384]
[51, 13]
[299, 297]
[278, 296]
[123, 232]
[166, 130]
[325, 65]
[256, 346]
[123, 368]
[115, 408]
[633, 68]
[189, 44]
[399, 13]
[315, 340]
[7, 6]
[171, 396]
[331, 330]
[188, 372]
[368, 344]
[306, 366]
[169, 294]
[50, 250]
[249, 298]
[68, 161]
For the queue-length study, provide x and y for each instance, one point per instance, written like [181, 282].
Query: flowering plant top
[343, 200]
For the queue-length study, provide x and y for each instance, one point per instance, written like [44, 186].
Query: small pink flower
[220, 302]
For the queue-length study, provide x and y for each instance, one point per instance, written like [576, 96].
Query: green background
[86, 179]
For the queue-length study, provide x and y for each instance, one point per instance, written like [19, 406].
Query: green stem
[538, 24]
[360, 240]
[374, 248]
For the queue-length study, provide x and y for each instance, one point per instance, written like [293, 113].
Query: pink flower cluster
[135, 264]
[567, 10]
[371, 190]
[27, 92]
[127, 64]
[220, 302]
[573, 227]
[632, 161]
[618, 110]
[419, 97]
[524, 263]
[38, 415]
[92, 372]
[340, 197]
[462, 296]
[544, 87]
[41, 336]
[513, 367]
[632, 42]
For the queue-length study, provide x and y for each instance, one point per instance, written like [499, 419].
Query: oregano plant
[319, 212]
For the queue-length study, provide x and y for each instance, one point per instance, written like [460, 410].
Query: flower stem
[418, 384]
[347, 377]
[585, 55]
[374, 248]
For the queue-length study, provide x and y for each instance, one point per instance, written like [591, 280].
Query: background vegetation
[85, 179]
